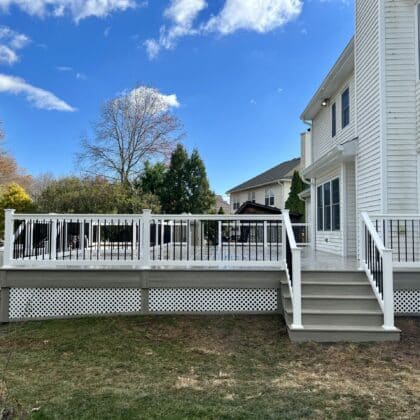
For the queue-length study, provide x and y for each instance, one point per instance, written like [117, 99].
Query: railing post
[285, 213]
[297, 289]
[219, 239]
[53, 247]
[146, 237]
[388, 290]
[362, 243]
[8, 236]
[265, 242]
[82, 238]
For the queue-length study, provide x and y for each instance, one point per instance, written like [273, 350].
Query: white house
[270, 188]
[361, 153]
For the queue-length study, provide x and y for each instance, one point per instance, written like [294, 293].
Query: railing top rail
[374, 234]
[395, 216]
[289, 230]
[219, 217]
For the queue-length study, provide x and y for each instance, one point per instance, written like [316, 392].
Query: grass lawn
[207, 367]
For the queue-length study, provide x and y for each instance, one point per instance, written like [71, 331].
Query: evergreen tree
[174, 198]
[152, 180]
[221, 210]
[186, 188]
[201, 198]
[294, 203]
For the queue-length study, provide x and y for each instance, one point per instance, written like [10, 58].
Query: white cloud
[181, 15]
[78, 9]
[39, 98]
[163, 102]
[68, 69]
[255, 15]
[7, 55]
[10, 42]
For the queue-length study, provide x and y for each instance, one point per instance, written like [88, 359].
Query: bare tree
[132, 128]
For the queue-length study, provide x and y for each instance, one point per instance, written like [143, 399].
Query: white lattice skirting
[31, 303]
[55, 303]
[213, 300]
[407, 301]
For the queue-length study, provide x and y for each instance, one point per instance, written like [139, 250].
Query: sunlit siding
[322, 140]
[401, 105]
[367, 80]
[350, 203]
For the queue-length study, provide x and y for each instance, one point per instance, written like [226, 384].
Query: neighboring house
[221, 203]
[362, 151]
[271, 188]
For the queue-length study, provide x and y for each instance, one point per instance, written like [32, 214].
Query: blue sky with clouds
[242, 72]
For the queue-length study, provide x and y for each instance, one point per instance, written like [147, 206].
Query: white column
[297, 294]
[8, 237]
[219, 239]
[146, 219]
[314, 220]
[388, 290]
[53, 239]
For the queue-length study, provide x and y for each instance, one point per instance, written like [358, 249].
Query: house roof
[259, 207]
[341, 71]
[282, 171]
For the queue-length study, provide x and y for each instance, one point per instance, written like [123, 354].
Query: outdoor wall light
[325, 102]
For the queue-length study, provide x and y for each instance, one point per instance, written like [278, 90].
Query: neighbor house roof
[340, 72]
[283, 171]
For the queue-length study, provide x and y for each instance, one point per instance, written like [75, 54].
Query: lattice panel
[45, 303]
[407, 301]
[213, 300]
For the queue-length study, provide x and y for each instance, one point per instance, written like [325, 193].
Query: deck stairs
[336, 306]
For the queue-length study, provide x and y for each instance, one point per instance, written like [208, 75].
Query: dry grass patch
[207, 367]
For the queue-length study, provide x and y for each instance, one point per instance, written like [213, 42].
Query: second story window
[333, 120]
[269, 198]
[236, 204]
[251, 196]
[345, 108]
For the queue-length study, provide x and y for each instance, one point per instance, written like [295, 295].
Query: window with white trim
[251, 196]
[269, 197]
[345, 108]
[328, 206]
[236, 204]
[333, 119]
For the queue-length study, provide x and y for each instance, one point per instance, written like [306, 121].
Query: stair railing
[292, 262]
[376, 261]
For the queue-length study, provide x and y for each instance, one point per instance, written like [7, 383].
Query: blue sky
[242, 73]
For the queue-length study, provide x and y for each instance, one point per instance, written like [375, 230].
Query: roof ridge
[280, 166]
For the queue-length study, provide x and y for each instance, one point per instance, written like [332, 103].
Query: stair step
[329, 302]
[351, 318]
[327, 276]
[336, 288]
[339, 333]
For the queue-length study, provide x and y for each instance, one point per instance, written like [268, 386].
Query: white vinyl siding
[281, 194]
[401, 106]
[368, 108]
[350, 207]
[322, 138]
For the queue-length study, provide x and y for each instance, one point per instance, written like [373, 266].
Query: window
[345, 108]
[328, 206]
[334, 120]
[269, 198]
[251, 196]
[320, 214]
[236, 204]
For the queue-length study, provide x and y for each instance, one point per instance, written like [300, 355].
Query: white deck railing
[376, 260]
[293, 270]
[400, 233]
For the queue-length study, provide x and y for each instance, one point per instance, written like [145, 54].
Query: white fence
[152, 240]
